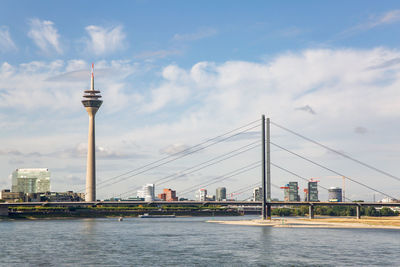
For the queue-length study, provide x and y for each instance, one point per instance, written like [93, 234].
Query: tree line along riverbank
[334, 211]
[22, 212]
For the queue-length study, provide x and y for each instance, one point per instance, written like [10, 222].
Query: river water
[188, 242]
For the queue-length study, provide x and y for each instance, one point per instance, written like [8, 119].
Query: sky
[176, 73]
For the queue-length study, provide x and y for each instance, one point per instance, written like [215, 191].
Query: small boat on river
[146, 215]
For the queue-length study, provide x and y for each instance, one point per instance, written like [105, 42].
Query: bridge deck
[188, 203]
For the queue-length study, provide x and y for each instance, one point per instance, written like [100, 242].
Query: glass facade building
[147, 192]
[220, 194]
[312, 191]
[31, 180]
[291, 191]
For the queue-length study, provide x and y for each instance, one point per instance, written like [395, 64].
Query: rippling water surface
[188, 242]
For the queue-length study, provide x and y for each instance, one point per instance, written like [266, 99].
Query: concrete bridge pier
[358, 209]
[268, 211]
[4, 211]
[311, 211]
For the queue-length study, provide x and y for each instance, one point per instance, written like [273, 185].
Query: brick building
[168, 195]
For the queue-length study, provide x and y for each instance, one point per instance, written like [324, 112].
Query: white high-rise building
[201, 194]
[257, 194]
[147, 192]
[31, 180]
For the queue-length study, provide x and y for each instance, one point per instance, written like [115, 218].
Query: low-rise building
[168, 195]
[11, 197]
[7, 196]
[68, 196]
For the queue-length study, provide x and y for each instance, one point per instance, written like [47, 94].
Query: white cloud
[105, 40]
[174, 149]
[6, 43]
[187, 105]
[163, 53]
[45, 35]
[37, 85]
[339, 84]
[199, 34]
[387, 18]
[390, 17]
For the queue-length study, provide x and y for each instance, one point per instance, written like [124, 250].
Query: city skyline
[172, 85]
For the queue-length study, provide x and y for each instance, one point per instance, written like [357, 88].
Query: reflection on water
[188, 241]
[89, 226]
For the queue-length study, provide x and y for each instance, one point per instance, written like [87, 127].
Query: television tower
[92, 103]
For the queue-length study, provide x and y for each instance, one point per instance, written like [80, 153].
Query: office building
[201, 194]
[220, 194]
[312, 191]
[147, 192]
[291, 191]
[257, 194]
[31, 180]
[335, 194]
[168, 195]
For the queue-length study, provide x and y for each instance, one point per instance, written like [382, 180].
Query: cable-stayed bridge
[262, 165]
[169, 179]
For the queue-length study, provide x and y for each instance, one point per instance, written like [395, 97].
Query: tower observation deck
[92, 102]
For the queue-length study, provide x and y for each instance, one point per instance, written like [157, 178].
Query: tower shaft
[91, 157]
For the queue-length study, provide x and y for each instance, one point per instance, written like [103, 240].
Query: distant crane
[234, 194]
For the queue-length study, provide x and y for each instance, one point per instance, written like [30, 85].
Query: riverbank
[368, 222]
[32, 214]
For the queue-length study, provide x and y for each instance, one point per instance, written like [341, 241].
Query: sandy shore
[367, 222]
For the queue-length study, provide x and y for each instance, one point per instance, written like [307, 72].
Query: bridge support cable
[179, 157]
[222, 177]
[247, 188]
[203, 165]
[301, 177]
[333, 171]
[181, 154]
[338, 152]
[218, 161]
[244, 189]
